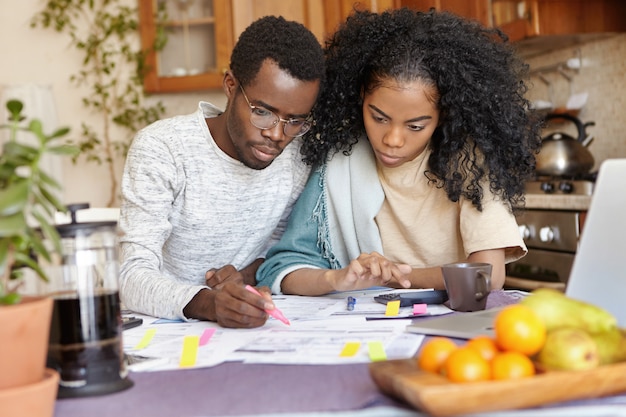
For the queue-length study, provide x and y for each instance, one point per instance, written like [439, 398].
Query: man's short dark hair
[290, 44]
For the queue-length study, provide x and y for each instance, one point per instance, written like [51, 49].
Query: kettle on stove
[562, 155]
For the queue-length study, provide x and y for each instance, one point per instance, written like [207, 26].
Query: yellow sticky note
[350, 349]
[190, 351]
[146, 339]
[376, 351]
[393, 307]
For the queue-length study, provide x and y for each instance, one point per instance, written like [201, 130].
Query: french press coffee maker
[86, 329]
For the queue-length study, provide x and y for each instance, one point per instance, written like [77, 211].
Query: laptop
[598, 275]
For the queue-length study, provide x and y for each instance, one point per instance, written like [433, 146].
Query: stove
[551, 235]
[559, 186]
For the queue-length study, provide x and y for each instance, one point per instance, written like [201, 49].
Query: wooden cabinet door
[198, 47]
[567, 17]
[528, 18]
[336, 11]
[471, 9]
[308, 12]
[558, 17]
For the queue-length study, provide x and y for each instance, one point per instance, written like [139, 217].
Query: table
[236, 389]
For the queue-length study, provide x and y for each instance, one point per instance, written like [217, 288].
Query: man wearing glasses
[205, 195]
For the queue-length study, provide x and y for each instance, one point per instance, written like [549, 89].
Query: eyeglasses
[263, 118]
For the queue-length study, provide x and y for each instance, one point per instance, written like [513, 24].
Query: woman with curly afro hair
[422, 142]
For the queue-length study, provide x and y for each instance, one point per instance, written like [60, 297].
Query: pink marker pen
[276, 313]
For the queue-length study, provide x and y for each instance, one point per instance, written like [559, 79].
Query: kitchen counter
[558, 202]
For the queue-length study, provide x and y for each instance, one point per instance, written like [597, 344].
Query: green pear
[557, 310]
[568, 349]
[611, 346]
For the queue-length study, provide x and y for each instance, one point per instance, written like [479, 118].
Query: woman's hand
[371, 269]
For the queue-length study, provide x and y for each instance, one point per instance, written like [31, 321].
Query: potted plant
[27, 205]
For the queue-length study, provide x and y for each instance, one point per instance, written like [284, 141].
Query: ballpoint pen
[275, 312]
[351, 303]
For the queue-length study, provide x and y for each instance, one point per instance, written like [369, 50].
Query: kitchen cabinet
[524, 19]
[471, 9]
[201, 34]
[199, 39]
[336, 11]
[308, 12]
[559, 17]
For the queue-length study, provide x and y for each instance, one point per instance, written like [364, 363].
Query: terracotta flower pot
[32, 400]
[24, 332]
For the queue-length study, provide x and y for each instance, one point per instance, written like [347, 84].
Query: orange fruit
[519, 329]
[511, 365]
[466, 365]
[485, 345]
[434, 353]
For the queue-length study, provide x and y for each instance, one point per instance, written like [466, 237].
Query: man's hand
[230, 306]
[216, 278]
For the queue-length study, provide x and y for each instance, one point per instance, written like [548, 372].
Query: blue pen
[351, 303]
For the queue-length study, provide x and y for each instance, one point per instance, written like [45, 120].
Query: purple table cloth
[233, 389]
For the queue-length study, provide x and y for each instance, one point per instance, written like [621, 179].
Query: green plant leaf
[59, 132]
[12, 225]
[15, 107]
[40, 248]
[29, 262]
[37, 129]
[49, 231]
[13, 198]
[47, 179]
[9, 299]
[52, 202]
[4, 253]
[19, 153]
[64, 150]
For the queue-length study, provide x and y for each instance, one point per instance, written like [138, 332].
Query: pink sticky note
[206, 336]
[419, 309]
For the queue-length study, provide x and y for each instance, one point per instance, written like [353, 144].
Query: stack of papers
[322, 331]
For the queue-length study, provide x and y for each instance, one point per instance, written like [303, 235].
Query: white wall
[43, 57]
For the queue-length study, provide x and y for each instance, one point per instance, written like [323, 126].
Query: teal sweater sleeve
[305, 241]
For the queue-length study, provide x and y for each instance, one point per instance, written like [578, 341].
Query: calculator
[130, 322]
[407, 299]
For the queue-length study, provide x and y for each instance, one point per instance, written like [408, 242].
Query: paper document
[323, 330]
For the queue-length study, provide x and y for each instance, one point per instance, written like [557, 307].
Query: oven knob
[566, 187]
[546, 234]
[524, 231]
[547, 187]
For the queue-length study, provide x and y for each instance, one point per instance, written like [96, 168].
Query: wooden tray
[435, 395]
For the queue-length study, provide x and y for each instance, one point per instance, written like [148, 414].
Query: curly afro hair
[290, 44]
[486, 133]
